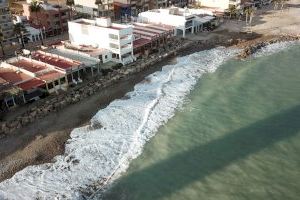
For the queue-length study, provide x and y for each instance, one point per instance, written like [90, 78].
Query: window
[112, 36]
[114, 46]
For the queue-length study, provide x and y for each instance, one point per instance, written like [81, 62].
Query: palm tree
[35, 7]
[1, 42]
[249, 13]
[276, 3]
[19, 30]
[283, 2]
[70, 3]
[98, 3]
[232, 11]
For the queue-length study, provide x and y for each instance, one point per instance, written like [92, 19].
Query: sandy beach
[42, 140]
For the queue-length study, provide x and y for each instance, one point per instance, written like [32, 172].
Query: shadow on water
[168, 176]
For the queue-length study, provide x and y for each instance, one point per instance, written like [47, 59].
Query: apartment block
[6, 24]
[88, 7]
[114, 42]
[53, 18]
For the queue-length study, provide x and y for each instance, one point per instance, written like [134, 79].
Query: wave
[98, 153]
[274, 48]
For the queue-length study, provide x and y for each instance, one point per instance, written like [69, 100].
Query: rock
[14, 125]
[25, 120]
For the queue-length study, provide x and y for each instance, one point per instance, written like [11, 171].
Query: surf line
[159, 93]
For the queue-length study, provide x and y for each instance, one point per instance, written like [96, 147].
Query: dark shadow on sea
[166, 177]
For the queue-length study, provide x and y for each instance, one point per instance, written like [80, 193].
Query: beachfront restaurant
[72, 69]
[24, 80]
[148, 37]
[89, 59]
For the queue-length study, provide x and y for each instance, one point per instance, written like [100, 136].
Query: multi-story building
[6, 24]
[115, 9]
[113, 41]
[90, 8]
[182, 19]
[179, 3]
[52, 18]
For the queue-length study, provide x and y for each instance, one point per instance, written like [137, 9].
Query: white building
[182, 19]
[222, 4]
[113, 41]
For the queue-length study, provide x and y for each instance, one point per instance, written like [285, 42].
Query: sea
[208, 127]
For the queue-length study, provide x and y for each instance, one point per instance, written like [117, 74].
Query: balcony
[126, 49]
[126, 40]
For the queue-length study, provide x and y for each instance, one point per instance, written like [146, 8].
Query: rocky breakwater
[256, 45]
[57, 102]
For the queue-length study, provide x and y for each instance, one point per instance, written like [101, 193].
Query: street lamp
[44, 28]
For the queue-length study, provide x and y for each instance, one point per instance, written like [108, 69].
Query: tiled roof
[29, 66]
[51, 75]
[88, 61]
[31, 84]
[140, 42]
[12, 76]
[55, 61]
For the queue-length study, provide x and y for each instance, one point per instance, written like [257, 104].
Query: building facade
[114, 42]
[6, 24]
[90, 8]
[183, 20]
[52, 18]
[116, 9]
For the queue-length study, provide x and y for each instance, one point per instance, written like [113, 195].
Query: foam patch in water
[274, 48]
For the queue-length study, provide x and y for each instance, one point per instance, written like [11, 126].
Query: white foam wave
[94, 154]
[274, 48]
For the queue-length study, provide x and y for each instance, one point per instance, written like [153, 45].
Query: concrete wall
[215, 3]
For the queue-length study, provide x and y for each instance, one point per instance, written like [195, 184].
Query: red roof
[31, 84]
[12, 76]
[29, 66]
[142, 29]
[51, 76]
[54, 60]
[140, 42]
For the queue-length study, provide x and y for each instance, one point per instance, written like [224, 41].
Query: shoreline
[42, 142]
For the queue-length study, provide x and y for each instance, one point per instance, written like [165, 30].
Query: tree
[99, 3]
[276, 3]
[283, 2]
[1, 42]
[249, 13]
[19, 30]
[35, 7]
[71, 4]
[232, 11]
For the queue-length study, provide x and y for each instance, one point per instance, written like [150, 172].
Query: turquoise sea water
[238, 137]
